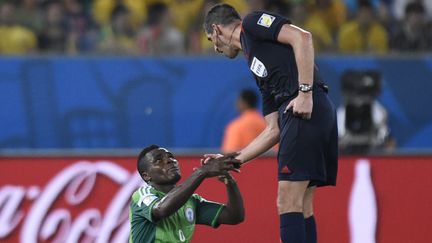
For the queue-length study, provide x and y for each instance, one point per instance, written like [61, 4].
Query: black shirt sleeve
[263, 25]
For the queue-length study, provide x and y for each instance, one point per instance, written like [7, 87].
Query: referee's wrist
[306, 94]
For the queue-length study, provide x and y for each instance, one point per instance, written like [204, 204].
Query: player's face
[221, 44]
[163, 168]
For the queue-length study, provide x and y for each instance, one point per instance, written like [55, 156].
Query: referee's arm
[302, 44]
[301, 41]
[266, 140]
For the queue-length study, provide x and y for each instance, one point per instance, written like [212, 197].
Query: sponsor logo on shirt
[266, 20]
[189, 213]
[258, 68]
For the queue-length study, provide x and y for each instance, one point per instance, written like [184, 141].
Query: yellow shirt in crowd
[16, 40]
[372, 40]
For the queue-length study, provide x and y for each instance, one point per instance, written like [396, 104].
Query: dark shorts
[308, 149]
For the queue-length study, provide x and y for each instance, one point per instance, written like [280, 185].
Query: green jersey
[178, 227]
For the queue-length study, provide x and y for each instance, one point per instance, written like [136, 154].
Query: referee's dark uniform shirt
[272, 63]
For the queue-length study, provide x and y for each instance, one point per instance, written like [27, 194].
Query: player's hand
[207, 157]
[301, 105]
[226, 178]
[220, 165]
[230, 158]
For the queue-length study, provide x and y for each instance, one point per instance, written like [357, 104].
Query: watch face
[305, 88]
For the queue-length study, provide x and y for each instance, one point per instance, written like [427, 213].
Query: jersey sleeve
[207, 212]
[142, 203]
[264, 26]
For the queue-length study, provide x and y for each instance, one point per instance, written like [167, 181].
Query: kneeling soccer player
[160, 211]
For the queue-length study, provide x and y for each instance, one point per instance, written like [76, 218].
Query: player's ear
[146, 176]
[216, 29]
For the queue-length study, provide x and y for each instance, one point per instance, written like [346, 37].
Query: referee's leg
[310, 225]
[290, 206]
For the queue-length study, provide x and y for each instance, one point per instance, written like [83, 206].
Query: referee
[297, 110]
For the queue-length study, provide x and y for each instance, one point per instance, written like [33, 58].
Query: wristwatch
[305, 88]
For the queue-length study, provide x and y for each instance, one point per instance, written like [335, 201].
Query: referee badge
[266, 20]
[189, 213]
[258, 68]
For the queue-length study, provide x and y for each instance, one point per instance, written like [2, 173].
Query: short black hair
[249, 97]
[223, 14]
[365, 4]
[119, 10]
[141, 162]
[155, 12]
[414, 8]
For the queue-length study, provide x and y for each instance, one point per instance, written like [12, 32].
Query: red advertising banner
[86, 199]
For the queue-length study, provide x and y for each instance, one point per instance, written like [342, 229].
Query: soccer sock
[310, 227]
[292, 228]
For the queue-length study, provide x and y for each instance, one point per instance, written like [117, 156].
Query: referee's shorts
[308, 149]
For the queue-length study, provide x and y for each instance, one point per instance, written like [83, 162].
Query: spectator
[242, 6]
[398, 7]
[197, 40]
[381, 6]
[118, 37]
[241, 131]
[256, 5]
[81, 34]
[413, 33]
[364, 34]
[280, 7]
[53, 37]
[102, 11]
[184, 12]
[159, 36]
[29, 15]
[15, 39]
[331, 13]
[322, 36]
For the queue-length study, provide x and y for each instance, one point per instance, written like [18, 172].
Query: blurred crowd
[174, 27]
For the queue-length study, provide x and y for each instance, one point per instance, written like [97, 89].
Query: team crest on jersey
[266, 20]
[189, 213]
[258, 68]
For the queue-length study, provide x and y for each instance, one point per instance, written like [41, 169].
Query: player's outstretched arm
[233, 213]
[178, 196]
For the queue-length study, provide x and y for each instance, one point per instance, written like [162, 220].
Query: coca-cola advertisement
[86, 199]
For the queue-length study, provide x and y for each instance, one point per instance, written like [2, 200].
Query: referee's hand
[301, 105]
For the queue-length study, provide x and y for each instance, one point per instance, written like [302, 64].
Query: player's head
[158, 166]
[365, 13]
[218, 23]
[247, 100]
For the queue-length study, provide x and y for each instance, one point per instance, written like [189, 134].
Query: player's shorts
[308, 149]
